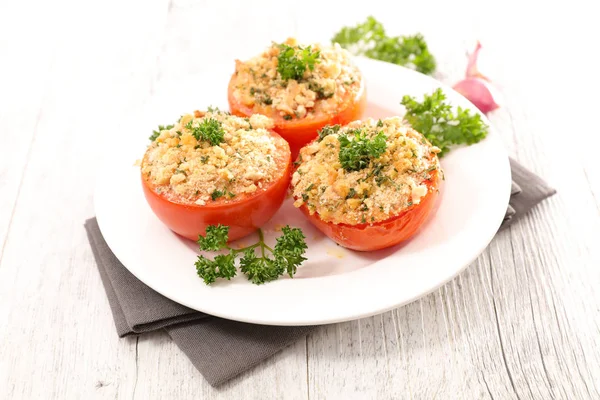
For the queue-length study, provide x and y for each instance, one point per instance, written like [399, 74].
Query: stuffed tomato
[369, 185]
[302, 88]
[214, 168]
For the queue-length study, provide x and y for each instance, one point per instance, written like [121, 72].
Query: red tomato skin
[383, 234]
[243, 216]
[299, 132]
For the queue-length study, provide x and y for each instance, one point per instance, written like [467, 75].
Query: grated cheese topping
[191, 171]
[330, 86]
[390, 183]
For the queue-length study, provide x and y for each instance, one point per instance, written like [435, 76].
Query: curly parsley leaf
[215, 239]
[156, 133]
[410, 51]
[223, 266]
[226, 265]
[289, 250]
[357, 38]
[206, 269]
[357, 151]
[209, 130]
[328, 130]
[369, 39]
[292, 62]
[443, 127]
[259, 270]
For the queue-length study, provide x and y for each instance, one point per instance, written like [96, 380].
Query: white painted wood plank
[23, 86]
[53, 301]
[165, 372]
[53, 312]
[522, 321]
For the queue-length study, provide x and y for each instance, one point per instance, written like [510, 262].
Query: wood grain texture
[521, 322]
[22, 94]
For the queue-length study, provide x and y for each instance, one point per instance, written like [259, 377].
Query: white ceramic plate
[335, 284]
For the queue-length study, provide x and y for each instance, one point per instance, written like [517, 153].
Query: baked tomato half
[302, 88]
[214, 168]
[369, 185]
[383, 234]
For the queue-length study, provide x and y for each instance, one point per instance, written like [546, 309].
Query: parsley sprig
[357, 150]
[443, 127]
[292, 62]
[369, 39]
[286, 256]
[156, 133]
[209, 129]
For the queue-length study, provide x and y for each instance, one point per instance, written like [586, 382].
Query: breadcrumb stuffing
[333, 82]
[191, 170]
[390, 184]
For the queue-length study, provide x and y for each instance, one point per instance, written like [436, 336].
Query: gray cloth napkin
[221, 349]
[527, 190]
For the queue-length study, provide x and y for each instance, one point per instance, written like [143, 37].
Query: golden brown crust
[390, 184]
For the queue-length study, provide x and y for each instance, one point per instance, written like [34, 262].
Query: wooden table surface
[522, 322]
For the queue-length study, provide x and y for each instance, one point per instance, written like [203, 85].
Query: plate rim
[346, 316]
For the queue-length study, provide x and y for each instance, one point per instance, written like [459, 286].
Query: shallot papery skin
[479, 92]
[476, 87]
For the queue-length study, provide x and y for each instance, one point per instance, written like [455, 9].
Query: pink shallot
[476, 87]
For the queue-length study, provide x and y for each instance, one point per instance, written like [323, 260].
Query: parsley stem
[267, 247]
[241, 250]
[261, 236]
[263, 245]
